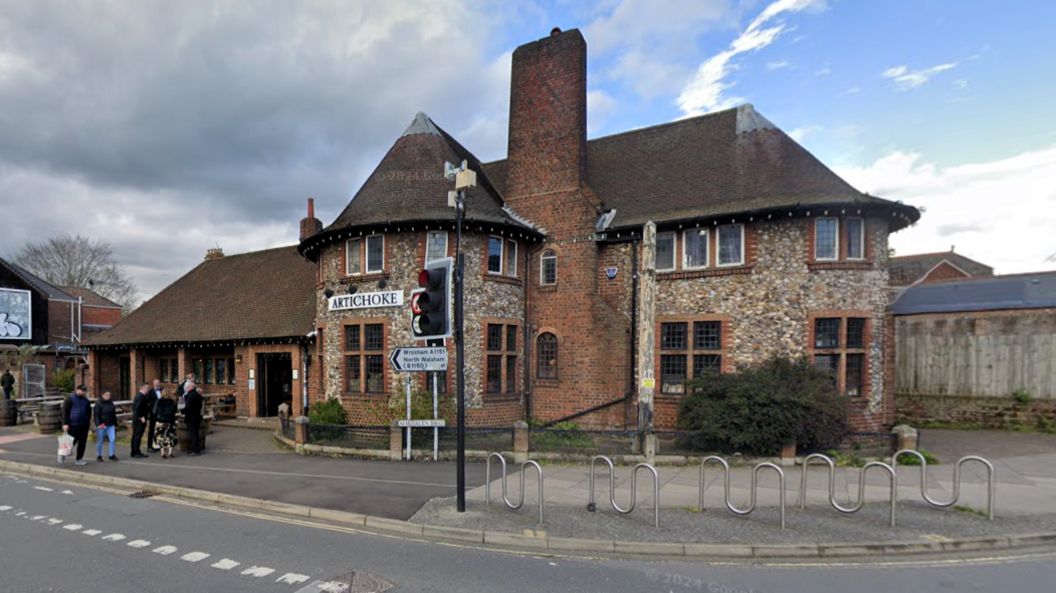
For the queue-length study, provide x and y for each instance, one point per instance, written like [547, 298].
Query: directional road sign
[418, 359]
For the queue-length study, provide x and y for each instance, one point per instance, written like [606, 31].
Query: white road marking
[226, 564]
[165, 550]
[67, 492]
[55, 521]
[333, 587]
[5, 508]
[38, 517]
[195, 556]
[139, 543]
[91, 532]
[292, 578]
[113, 537]
[73, 527]
[258, 571]
[43, 489]
[21, 514]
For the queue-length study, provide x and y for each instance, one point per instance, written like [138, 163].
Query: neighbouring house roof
[993, 293]
[728, 162]
[409, 185]
[90, 297]
[50, 291]
[258, 295]
[910, 269]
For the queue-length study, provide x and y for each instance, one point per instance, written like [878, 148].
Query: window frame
[674, 250]
[361, 352]
[511, 263]
[551, 376]
[543, 258]
[705, 238]
[842, 351]
[366, 254]
[718, 246]
[427, 244]
[861, 237]
[357, 257]
[499, 348]
[835, 236]
[502, 255]
[689, 353]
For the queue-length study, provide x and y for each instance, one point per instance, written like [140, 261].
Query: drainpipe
[634, 329]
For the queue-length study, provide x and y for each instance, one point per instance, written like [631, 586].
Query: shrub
[329, 411]
[759, 409]
[907, 459]
[1022, 395]
[64, 381]
[572, 438]
[1043, 424]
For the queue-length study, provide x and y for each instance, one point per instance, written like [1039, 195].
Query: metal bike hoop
[890, 470]
[754, 486]
[592, 506]
[511, 505]
[991, 486]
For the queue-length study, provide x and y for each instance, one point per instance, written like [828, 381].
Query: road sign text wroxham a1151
[431, 303]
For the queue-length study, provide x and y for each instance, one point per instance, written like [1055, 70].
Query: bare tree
[79, 261]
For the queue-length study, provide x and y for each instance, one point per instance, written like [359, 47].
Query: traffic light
[431, 303]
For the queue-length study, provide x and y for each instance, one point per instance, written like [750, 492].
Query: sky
[167, 128]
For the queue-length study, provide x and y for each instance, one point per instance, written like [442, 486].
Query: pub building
[598, 272]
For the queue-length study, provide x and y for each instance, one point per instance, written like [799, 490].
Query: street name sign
[418, 359]
[421, 423]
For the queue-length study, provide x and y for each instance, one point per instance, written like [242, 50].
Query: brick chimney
[310, 225]
[214, 253]
[547, 148]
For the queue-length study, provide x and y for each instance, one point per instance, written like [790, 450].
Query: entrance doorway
[124, 381]
[275, 382]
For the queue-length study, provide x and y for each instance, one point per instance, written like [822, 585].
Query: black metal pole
[461, 351]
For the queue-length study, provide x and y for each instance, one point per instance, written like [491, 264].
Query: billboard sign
[16, 314]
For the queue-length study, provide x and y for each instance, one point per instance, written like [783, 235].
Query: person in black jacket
[141, 408]
[165, 411]
[192, 416]
[77, 419]
[152, 420]
[105, 425]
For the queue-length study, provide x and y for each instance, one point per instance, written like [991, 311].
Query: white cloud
[802, 132]
[907, 80]
[1001, 212]
[854, 90]
[707, 90]
[960, 84]
[600, 106]
[778, 65]
[822, 72]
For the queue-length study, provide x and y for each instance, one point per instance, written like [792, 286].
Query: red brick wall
[99, 315]
[943, 271]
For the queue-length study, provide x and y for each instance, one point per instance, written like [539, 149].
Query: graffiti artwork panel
[15, 314]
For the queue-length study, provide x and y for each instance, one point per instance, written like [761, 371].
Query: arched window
[548, 267]
[546, 351]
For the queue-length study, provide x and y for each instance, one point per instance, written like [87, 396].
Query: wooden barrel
[49, 418]
[185, 441]
[8, 412]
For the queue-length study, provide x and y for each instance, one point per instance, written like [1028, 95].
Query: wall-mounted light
[352, 289]
[382, 284]
[328, 293]
[238, 359]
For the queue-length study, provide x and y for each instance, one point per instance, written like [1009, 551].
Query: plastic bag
[65, 445]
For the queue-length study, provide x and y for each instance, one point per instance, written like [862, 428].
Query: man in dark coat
[152, 420]
[141, 408]
[192, 416]
[7, 381]
[77, 419]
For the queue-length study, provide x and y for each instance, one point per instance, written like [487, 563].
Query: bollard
[520, 442]
[395, 442]
[906, 437]
[300, 430]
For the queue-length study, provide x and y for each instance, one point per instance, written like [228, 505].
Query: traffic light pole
[461, 351]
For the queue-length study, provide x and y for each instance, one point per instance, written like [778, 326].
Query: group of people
[154, 412]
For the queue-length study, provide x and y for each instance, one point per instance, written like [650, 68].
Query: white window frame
[502, 255]
[836, 247]
[542, 267]
[705, 237]
[674, 249]
[427, 235]
[861, 239]
[366, 254]
[512, 269]
[349, 259]
[718, 246]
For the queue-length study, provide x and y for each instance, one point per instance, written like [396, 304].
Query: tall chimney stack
[310, 225]
[547, 148]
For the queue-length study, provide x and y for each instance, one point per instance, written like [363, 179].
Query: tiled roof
[409, 185]
[908, 269]
[251, 296]
[993, 293]
[50, 291]
[90, 296]
[727, 162]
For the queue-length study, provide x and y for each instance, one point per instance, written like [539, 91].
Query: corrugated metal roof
[1020, 291]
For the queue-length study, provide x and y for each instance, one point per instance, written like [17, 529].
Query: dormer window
[694, 249]
[839, 238]
[665, 252]
[731, 245]
[495, 252]
[435, 245]
[826, 239]
[375, 254]
[353, 257]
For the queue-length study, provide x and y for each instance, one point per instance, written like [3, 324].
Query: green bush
[1022, 395]
[759, 409]
[571, 439]
[907, 459]
[329, 411]
[64, 381]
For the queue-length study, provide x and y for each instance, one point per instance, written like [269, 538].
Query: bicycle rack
[861, 485]
[991, 486]
[592, 506]
[755, 481]
[510, 505]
